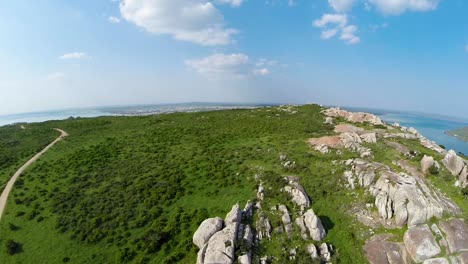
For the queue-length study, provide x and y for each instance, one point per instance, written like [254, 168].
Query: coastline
[454, 135]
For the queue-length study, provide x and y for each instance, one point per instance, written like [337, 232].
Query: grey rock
[456, 234]
[234, 216]
[436, 261]
[221, 245]
[325, 253]
[426, 163]
[420, 243]
[314, 225]
[312, 251]
[369, 138]
[207, 229]
[381, 251]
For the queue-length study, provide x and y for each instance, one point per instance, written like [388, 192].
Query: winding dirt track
[11, 182]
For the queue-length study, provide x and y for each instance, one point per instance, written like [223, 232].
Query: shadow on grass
[327, 223]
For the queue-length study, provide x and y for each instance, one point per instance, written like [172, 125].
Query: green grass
[135, 189]
[19, 143]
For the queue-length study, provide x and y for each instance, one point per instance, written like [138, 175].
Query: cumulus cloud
[238, 65]
[197, 21]
[233, 3]
[74, 56]
[113, 20]
[341, 5]
[334, 19]
[332, 24]
[326, 34]
[396, 7]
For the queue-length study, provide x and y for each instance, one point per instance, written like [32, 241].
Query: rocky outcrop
[369, 137]
[420, 243]
[436, 261]
[314, 225]
[286, 219]
[298, 194]
[207, 229]
[457, 166]
[427, 163]
[353, 117]
[456, 234]
[379, 250]
[399, 197]
[343, 128]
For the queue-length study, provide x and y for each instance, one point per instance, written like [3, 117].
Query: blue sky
[392, 54]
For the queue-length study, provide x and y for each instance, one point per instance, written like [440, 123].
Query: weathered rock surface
[312, 251]
[426, 163]
[399, 147]
[342, 128]
[463, 258]
[325, 253]
[234, 216]
[420, 243]
[369, 137]
[207, 229]
[381, 251]
[263, 227]
[456, 234]
[314, 225]
[353, 117]
[298, 193]
[436, 261]
[457, 166]
[221, 246]
[286, 219]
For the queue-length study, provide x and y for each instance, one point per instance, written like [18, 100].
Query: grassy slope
[136, 188]
[17, 145]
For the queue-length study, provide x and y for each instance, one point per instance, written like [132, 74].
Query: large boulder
[381, 251]
[221, 246]
[420, 243]
[426, 163]
[453, 163]
[286, 219]
[369, 138]
[456, 234]
[314, 225]
[235, 215]
[207, 229]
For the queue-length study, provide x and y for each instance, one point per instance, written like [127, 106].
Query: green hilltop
[135, 189]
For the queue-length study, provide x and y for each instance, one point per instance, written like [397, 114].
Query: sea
[431, 126]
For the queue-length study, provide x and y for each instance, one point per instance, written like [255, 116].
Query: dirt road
[11, 182]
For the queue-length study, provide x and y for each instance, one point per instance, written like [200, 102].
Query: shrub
[13, 247]
[434, 170]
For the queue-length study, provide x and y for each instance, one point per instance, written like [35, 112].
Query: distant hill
[461, 133]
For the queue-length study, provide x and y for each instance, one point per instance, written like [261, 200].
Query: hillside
[136, 189]
[461, 133]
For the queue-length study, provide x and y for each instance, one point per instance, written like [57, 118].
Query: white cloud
[396, 7]
[326, 34]
[74, 56]
[327, 19]
[113, 20]
[341, 5]
[231, 65]
[197, 21]
[332, 24]
[56, 76]
[348, 34]
[233, 3]
[262, 71]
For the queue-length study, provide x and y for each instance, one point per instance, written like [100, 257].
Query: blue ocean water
[430, 126]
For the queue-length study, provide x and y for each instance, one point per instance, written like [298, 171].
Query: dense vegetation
[134, 189]
[18, 143]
